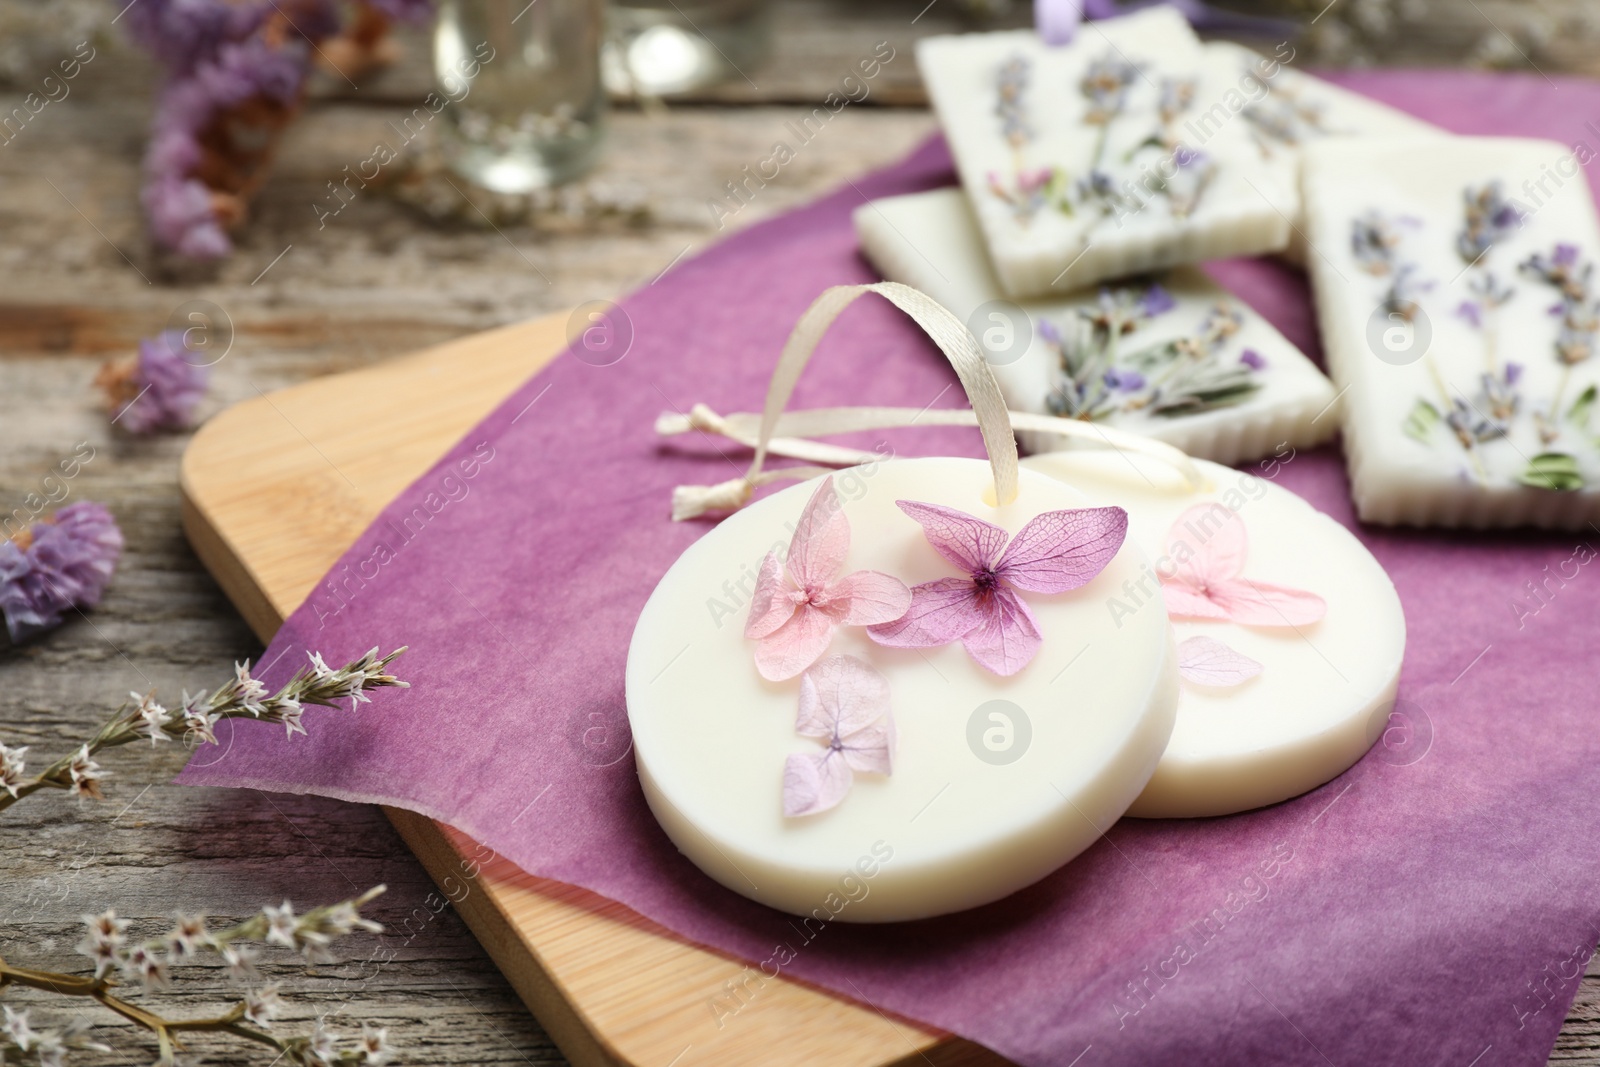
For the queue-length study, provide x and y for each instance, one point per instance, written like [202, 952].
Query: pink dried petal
[821, 540]
[867, 598]
[840, 697]
[1207, 544]
[795, 645]
[969, 543]
[1185, 602]
[1207, 661]
[1250, 603]
[1008, 638]
[1063, 550]
[814, 781]
[942, 611]
[871, 750]
[771, 606]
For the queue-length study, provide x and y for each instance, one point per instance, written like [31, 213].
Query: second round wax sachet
[1290, 634]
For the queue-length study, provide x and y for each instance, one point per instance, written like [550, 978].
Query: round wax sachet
[1290, 635]
[846, 767]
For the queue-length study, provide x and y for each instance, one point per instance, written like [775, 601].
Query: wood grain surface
[82, 285]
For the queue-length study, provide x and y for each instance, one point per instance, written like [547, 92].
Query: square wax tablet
[1173, 356]
[1077, 160]
[1286, 109]
[1456, 298]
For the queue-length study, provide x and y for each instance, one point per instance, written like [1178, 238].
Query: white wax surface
[711, 735]
[1396, 478]
[1055, 251]
[1327, 687]
[1339, 113]
[930, 242]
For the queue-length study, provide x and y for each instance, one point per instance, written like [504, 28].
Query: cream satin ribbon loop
[949, 333]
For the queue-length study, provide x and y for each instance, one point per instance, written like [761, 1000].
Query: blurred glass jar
[667, 47]
[526, 104]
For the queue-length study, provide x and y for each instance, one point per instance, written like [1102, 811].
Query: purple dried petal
[1566, 255]
[1513, 372]
[1252, 359]
[1049, 331]
[1468, 311]
[1124, 381]
[1156, 301]
[66, 564]
[170, 382]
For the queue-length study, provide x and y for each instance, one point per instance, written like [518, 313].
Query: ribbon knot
[692, 501]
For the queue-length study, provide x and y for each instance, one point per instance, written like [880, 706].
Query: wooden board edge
[579, 1040]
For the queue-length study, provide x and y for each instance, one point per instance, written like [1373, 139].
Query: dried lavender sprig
[249, 1018]
[242, 696]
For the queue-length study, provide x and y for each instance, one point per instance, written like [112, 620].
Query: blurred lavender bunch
[158, 389]
[54, 566]
[193, 721]
[235, 77]
[121, 961]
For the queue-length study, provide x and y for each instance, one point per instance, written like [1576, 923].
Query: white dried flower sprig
[240, 697]
[118, 961]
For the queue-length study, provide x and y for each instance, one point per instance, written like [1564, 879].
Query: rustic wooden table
[82, 285]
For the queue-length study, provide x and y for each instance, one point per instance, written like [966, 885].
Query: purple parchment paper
[1435, 905]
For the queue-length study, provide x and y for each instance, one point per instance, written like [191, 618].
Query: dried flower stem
[241, 697]
[311, 933]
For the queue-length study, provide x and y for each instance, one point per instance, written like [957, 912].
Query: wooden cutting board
[274, 489]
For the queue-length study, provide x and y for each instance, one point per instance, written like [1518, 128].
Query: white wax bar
[929, 241]
[1326, 689]
[1079, 160]
[966, 817]
[1286, 109]
[1457, 310]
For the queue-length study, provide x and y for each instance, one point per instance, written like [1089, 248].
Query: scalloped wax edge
[1326, 690]
[711, 736]
[929, 241]
[1352, 115]
[1393, 479]
[1236, 216]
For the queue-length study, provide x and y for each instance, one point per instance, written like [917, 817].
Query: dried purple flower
[1011, 85]
[159, 389]
[1576, 341]
[1491, 292]
[1156, 301]
[1469, 312]
[1105, 86]
[1252, 359]
[1373, 240]
[1490, 218]
[56, 566]
[1189, 182]
[1471, 427]
[1119, 311]
[1123, 381]
[1177, 95]
[1401, 296]
[1499, 393]
[236, 72]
